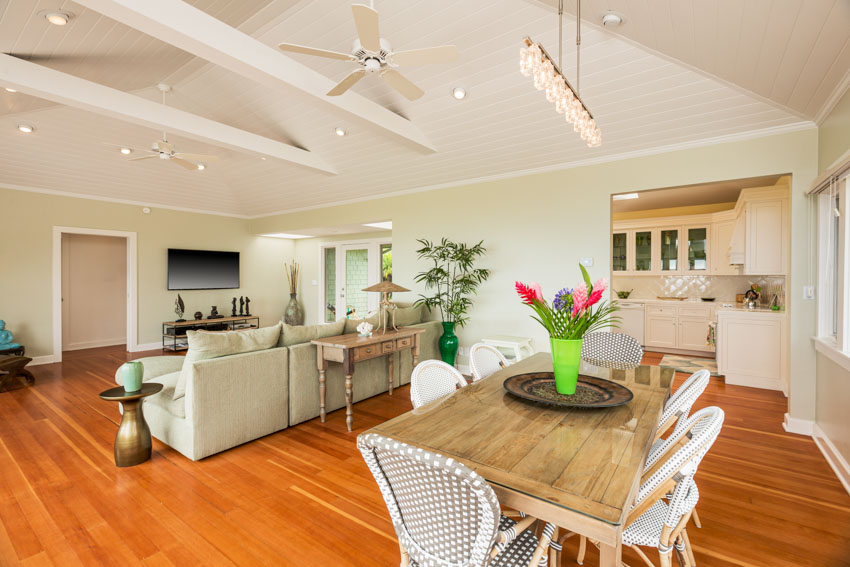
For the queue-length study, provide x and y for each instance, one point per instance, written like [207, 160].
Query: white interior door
[348, 269]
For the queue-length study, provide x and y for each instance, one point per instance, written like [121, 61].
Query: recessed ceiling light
[26, 128]
[201, 167]
[263, 158]
[58, 18]
[459, 93]
[286, 235]
[126, 151]
[625, 196]
[340, 132]
[11, 90]
[612, 20]
[388, 225]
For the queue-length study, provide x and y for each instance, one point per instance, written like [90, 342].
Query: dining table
[576, 468]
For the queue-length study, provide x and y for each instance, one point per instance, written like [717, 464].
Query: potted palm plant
[454, 279]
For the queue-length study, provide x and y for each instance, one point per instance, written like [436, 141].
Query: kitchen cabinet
[751, 349]
[619, 252]
[692, 333]
[642, 246]
[721, 238]
[765, 237]
[695, 249]
[661, 331]
[668, 251]
[679, 327]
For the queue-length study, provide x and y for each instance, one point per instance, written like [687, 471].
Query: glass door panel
[670, 250]
[643, 251]
[356, 270]
[698, 249]
[619, 243]
[329, 302]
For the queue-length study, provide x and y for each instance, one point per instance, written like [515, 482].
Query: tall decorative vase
[294, 313]
[448, 343]
[131, 375]
[566, 359]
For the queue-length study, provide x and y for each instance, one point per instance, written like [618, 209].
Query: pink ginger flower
[538, 291]
[579, 299]
[599, 288]
[525, 292]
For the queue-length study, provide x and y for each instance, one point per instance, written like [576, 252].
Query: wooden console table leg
[415, 350]
[323, 367]
[348, 367]
[390, 371]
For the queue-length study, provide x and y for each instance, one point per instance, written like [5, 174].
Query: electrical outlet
[586, 262]
[808, 292]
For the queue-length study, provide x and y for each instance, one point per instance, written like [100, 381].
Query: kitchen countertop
[717, 304]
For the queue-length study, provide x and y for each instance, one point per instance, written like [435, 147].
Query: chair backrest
[444, 514]
[611, 347]
[675, 464]
[680, 403]
[485, 360]
[432, 380]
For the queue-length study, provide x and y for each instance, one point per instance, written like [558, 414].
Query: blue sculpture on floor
[6, 338]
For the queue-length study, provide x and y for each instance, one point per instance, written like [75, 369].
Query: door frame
[132, 289]
[374, 246]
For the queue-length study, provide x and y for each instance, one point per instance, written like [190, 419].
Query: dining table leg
[610, 555]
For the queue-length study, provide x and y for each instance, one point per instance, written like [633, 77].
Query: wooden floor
[304, 496]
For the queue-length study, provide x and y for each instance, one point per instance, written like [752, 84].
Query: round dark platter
[591, 392]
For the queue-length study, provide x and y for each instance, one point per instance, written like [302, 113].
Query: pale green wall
[834, 134]
[537, 227]
[26, 262]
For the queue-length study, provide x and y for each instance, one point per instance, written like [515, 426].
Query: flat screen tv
[202, 269]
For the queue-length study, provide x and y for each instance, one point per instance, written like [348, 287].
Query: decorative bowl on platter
[591, 392]
[708, 298]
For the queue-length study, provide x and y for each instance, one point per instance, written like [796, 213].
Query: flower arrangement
[571, 315]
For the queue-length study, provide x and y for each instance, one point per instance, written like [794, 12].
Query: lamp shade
[388, 287]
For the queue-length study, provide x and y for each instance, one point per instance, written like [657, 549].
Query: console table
[352, 348]
[174, 332]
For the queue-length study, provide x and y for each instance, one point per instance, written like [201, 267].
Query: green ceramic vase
[131, 376]
[448, 343]
[566, 359]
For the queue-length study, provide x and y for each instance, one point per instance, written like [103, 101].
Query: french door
[347, 269]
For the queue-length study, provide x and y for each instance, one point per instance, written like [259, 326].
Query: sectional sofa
[233, 387]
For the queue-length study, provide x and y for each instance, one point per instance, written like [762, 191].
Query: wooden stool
[12, 366]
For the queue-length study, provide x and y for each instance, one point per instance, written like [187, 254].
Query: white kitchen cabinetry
[696, 249]
[751, 349]
[692, 333]
[766, 232]
[721, 238]
[661, 331]
[678, 327]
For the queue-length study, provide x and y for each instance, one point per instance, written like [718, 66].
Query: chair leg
[688, 549]
[405, 558]
[554, 554]
[582, 549]
[666, 558]
[642, 555]
[695, 517]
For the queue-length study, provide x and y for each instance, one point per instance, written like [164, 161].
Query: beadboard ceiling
[644, 101]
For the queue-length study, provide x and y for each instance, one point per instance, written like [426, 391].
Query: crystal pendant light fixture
[535, 62]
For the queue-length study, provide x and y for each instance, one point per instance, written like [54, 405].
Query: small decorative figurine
[233, 311]
[214, 313]
[179, 308]
[247, 306]
[6, 338]
[241, 305]
[198, 315]
[364, 329]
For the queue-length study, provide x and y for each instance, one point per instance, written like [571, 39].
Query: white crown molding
[30, 189]
[833, 99]
[835, 459]
[753, 134]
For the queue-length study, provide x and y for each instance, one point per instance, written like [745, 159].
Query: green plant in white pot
[455, 280]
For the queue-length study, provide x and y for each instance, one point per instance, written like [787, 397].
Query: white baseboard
[835, 459]
[96, 344]
[144, 347]
[798, 426]
[46, 359]
[754, 382]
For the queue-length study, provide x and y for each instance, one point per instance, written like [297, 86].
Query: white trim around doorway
[132, 289]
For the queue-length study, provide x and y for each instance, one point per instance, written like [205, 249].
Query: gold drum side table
[133, 440]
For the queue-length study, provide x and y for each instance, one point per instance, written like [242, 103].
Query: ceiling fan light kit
[375, 55]
[126, 151]
[535, 62]
[10, 90]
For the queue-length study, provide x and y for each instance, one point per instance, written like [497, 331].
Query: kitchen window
[832, 266]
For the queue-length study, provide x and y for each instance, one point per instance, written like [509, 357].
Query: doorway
[94, 289]
[347, 268]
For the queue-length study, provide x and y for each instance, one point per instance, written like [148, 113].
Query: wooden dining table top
[586, 460]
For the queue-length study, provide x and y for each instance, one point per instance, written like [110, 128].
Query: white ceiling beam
[49, 84]
[193, 30]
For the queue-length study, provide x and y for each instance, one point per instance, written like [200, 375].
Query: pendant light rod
[560, 31]
[578, 46]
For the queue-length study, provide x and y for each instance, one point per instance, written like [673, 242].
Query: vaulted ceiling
[673, 74]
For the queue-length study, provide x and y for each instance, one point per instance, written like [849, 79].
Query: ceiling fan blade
[196, 157]
[443, 54]
[313, 51]
[185, 164]
[143, 157]
[366, 20]
[347, 82]
[398, 81]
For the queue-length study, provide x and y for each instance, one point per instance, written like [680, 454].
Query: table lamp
[386, 287]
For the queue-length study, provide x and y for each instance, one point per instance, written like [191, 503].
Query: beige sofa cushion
[165, 398]
[298, 334]
[204, 345]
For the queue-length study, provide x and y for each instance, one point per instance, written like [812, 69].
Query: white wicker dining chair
[445, 514]
[611, 347]
[432, 380]
[485, 360]
[668, 494]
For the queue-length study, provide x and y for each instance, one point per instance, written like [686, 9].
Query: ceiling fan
[374, 54]
[162, 149]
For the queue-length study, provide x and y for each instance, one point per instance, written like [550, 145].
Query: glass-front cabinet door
[669, 250]
[643, 251]
[697, 249]
[619, 245]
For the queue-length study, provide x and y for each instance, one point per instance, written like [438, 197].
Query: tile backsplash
[724, 288]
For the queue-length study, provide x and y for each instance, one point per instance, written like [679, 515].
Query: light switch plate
[808, 292]
[586, 262]
[314, 282]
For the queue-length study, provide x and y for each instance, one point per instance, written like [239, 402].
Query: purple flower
[563, 299]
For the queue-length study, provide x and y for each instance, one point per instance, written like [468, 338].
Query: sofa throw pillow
[407, 315]
[351, 324]
[204, 345]
[298, 334]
